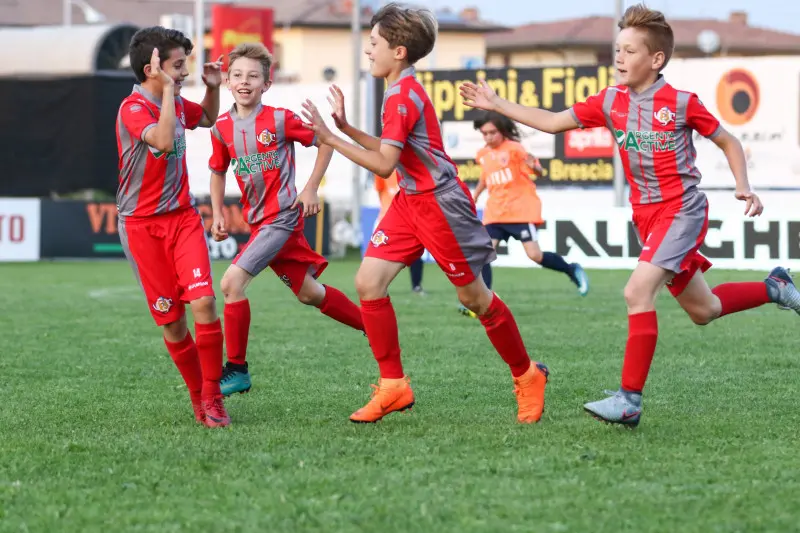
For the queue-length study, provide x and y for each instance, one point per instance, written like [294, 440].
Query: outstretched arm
[336, 99]
[481, 96]
[380, 161]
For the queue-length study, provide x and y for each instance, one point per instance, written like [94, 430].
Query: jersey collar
[409, 71]
[147, 95]
[252, 115]
[650, 91]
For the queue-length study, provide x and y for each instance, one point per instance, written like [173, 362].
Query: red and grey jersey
[260, 150]
[152, 182]
[409, 122]
[653, 131]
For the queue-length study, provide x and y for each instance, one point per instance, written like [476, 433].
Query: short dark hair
[415, 29]
[506, 126]
[145, 40]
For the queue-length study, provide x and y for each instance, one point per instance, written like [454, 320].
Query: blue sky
[781, 15]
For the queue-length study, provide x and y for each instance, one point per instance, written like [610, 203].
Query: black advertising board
[579, 157]
[79, 229]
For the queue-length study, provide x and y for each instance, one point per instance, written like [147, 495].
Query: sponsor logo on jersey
[645, 141]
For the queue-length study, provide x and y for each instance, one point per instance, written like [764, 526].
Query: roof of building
[597, 32]
[302, 13]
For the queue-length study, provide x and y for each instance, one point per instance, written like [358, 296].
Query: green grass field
[98, 435]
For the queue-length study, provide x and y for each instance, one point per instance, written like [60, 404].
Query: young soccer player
[654, 123]
[160, 230]
[258, 142]
[514, 209]
[433, 210]
[387, 188]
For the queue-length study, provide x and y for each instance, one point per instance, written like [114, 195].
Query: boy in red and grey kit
[433, 210]
[161, 232]
[258, 142]
[653, 123]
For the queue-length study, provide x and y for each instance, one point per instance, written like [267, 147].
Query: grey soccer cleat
[782, 291]
[620, 408]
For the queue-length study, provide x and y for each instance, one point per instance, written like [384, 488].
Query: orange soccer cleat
[529, 389]
[390, 395]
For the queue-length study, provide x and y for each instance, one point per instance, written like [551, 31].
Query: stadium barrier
[20, 229]
[598, 237]
[33, 229]
[605, 238]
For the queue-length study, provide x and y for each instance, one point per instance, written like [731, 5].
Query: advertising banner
[78, 229]
[581, 158]
[232, 25]
[605, 238]
[757, 99]
[19, 229]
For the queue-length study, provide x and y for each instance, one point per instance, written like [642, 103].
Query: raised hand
[156, 72]
[212, 73]
[315, 122]
[336, 99]
[479, 96]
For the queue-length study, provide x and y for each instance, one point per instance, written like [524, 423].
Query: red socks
[504, 334]
[184, 354]
[643, 329]
[642, 339]
[339, 307]
[380, 324]
[736, 297]
[237, 328]
[209, 350]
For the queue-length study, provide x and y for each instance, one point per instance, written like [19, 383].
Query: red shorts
[671, 234]
[169, 256]
[285, 251]
[444, 222]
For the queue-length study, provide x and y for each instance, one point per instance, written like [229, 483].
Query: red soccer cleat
[215, 414]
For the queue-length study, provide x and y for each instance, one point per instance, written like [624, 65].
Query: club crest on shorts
[664, 116]
[525, 234]
[379, 238]
[266, 137]
[286, 281]
[162, 305]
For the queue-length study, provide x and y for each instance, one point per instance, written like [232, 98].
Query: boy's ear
[401, 53]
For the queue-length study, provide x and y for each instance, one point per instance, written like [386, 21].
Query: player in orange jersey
[513, 208]
[387, 188]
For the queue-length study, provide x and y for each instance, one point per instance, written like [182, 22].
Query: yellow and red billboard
[232, 25]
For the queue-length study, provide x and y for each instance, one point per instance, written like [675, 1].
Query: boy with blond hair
[257, 141]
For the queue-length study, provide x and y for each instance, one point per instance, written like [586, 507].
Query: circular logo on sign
[738, 96]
